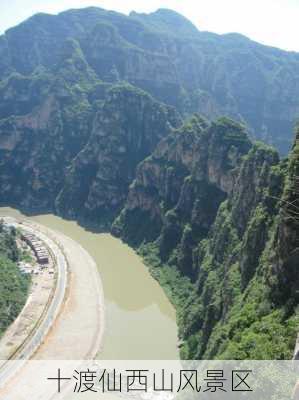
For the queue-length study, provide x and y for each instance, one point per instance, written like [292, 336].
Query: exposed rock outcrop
[91, 110]
[164, 54]
[125, 130]
[205, 212]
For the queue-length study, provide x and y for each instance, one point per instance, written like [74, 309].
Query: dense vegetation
[115, 121]
[60, 75]
[161, 53]
[214, 243]
[13, 284]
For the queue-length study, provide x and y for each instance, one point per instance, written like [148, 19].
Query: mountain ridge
[207, 73]
[152, 136]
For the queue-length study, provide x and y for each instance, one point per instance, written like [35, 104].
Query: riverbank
[78, 331]
[74, 327]
[134, 301]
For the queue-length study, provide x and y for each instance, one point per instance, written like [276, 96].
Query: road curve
[32, 343]
[78, 330]
[74, 323]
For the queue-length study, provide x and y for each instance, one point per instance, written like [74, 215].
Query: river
[140, 320]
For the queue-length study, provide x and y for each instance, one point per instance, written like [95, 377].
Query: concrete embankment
[73, 326]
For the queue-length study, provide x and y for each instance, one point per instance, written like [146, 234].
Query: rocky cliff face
[83, 133]
[286, 242]
[39, 140]
[204, 211]
[165, 55]
[76, 145]
[125, 130]
[188, 175]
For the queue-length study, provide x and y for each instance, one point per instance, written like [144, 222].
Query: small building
[42, 258]
[40, 251]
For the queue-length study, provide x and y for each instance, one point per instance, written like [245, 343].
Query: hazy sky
[272, 22]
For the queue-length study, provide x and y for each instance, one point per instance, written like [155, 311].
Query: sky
[271, 22]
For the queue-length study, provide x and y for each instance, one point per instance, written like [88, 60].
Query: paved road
[28, 349]
[77, 326]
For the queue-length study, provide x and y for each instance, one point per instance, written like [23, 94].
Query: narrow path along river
[140, 321]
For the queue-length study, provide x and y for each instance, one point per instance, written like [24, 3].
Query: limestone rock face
[286, 258]
[190, 172]
[205, 212]
[125, 130]
[165, 55]
[117, 121]
[39, 140]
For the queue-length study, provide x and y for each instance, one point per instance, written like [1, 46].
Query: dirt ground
[41, 291]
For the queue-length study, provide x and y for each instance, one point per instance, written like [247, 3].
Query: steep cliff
[125, 130]
[165, 55]
[187, 177]
[39, 136]
[91, 111]
[74, 137]
[211, 213]
[286, 242]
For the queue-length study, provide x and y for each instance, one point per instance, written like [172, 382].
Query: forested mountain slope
[164, 54]
[216, 218]
[124, 123]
